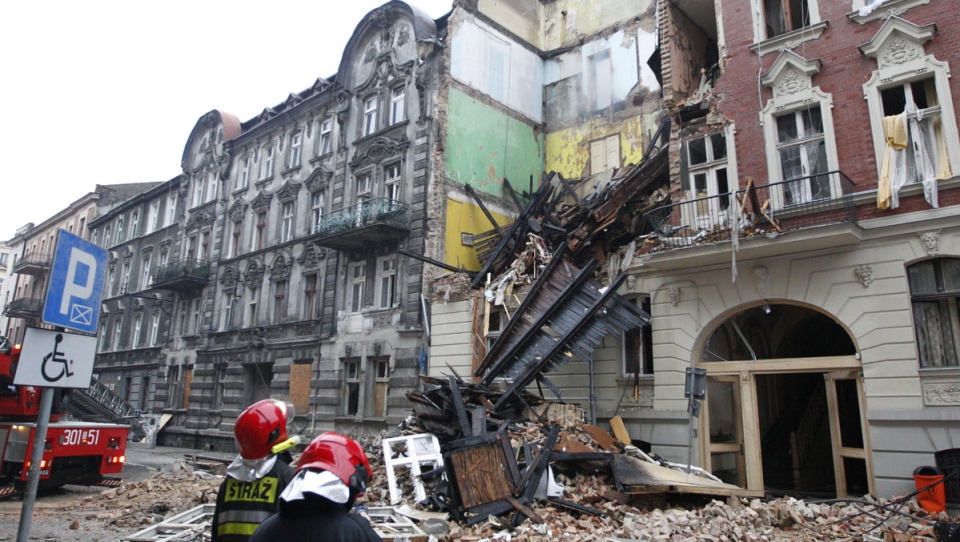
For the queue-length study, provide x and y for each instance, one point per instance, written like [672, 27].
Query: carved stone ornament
[864, 275]
[380, 149]
[674, 293]
[310, 258]
[403, 35]
[200, 219]
[761, 280]
[156, 304]
[280, 269]
[237, 211]
[370, 54]
[946, 393]
[319, 180]
[305, 328]
[146, 251]
[261, 203]
[253, 275]
[229, 279]
[275, 333]
[790, 74]
[899, 51]
[289, 191]
[792, 81]
[931, 242]
[165, 246]
[112, 263]
[182, 190]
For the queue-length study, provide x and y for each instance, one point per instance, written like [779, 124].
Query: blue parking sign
[76, 284]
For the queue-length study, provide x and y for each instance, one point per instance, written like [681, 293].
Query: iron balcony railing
[187, 268]
[814, 200]
[33, 259]
[366, 213]
[24, 307]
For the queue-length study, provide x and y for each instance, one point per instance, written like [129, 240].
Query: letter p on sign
[76, 284]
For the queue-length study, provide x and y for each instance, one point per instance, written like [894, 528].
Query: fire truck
[74, 452]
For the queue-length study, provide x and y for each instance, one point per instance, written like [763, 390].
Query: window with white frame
[316, 210]
[706, 179]
[197, 191]
[153, 217]
[397, 105]
[117, 330]
[296, 147]
[137, 323]
[211, 191]
[386, 281]
[104, 344]
[286, 222]
[134, 223]
[145, 271]
[266, 162]
[259, 232]
[358, 278]
[600, 91]
[777, 22]
[171, 209]
[126, 277]
[637, 345]
[236, 231]
[604, 154]
[243, 177]
[226, 312]
[351, 386]
[391, 182]
[154, 327]
[363, 187]
[326, 135]
[196, 317]
[119, 231]
[799, 137]
[369, 116]
[279, 301]
[250, 319]
[111, 280]
[935, 296]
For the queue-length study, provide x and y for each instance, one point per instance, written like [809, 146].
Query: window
[211, 190]
[316, 207]
[601, 81]
[219, 386]
[286, 222]
[117, 329]
[204, 246]
[153, 217]
[106, 237]
[266, 162]
[236, 230]
[496, 323]
[351, 384]
[251, 317]
[197, 192]
[111, 280]
[782, 16]
[171, 209]
[82, 230]
[784, 24]
[260, 233]
[145, 272]
[358, 276]
[391, 182]
[104, 344]
[935, 296]
[3, 259]
[397, 105]
[363, 187]
[386, 281]
[310, 296]
[604, 154]
[134, 223]
[226, 312]
[706, 176]
[280, 301]
[369, 116]
[296, 146]
[243, 178]
[381, 386]
[803, 156]
[326, 131]
[119, 236]
[154, 328]
[196, 317]
[126, 277]
[638, 346]
[137, 321]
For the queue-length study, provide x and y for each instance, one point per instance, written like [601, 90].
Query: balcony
[808, 213]
[182, 276]
[28, 308]
[34, 262]
[370, 222]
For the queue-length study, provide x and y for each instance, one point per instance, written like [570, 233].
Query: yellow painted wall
[568, 151]
[466, 218]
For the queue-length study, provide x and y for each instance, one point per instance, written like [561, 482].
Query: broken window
[496, 323]
[600, 92]
[260, 233]
[925, 148]
[638, 345]
[803, 158]
[351, 386]
[935, 296]
[782, 16]
[604, 154]
[707, 182]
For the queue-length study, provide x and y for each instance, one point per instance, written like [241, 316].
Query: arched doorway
[785, 404]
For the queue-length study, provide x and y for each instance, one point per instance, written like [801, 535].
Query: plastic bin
[933, 499]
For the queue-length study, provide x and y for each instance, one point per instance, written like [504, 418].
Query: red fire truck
[82, 453]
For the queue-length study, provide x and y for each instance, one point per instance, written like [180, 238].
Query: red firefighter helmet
[261, 426]
[340, 455]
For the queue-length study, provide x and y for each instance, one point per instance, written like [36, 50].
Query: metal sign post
[55, 359]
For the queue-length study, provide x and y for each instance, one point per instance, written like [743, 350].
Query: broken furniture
[189, 525]
[411, 454]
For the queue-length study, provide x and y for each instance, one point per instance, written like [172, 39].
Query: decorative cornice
[200, 219]
[237, 210]
[261, 202]
[288, 191]
[380, 149]
[319, 180]
[280, 269]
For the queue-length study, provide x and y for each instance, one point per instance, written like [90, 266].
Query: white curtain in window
[924, 155]
[893, 173]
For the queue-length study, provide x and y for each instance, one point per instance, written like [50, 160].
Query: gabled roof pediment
[898, 37]
[790, 73]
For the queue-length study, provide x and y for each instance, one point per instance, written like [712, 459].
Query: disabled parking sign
[76, 284]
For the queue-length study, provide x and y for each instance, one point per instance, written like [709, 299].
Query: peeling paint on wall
[577, 19]
[568, 151]
[484, 146]
[462, 218]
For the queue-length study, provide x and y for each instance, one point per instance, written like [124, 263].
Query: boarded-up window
[300, 377]
[381, 386]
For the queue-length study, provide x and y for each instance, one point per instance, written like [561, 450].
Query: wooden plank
[601, 436]
[636, 476]
[620, 431]
[524, 510]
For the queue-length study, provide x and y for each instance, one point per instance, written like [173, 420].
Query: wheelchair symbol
[56, 357]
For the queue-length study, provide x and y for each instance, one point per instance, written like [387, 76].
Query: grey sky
[107, 91]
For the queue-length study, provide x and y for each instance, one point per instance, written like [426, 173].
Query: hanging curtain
[893, 169]
[923, 144]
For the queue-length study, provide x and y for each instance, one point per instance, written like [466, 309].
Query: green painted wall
[484, 146]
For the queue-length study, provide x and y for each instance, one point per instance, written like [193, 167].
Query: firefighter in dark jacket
[256, 478]
[332, 472]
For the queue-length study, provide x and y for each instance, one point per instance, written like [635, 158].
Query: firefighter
[332, 472]
[256, 478]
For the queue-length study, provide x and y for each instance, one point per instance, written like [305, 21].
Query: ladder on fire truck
[192, 525]
[98, 403]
